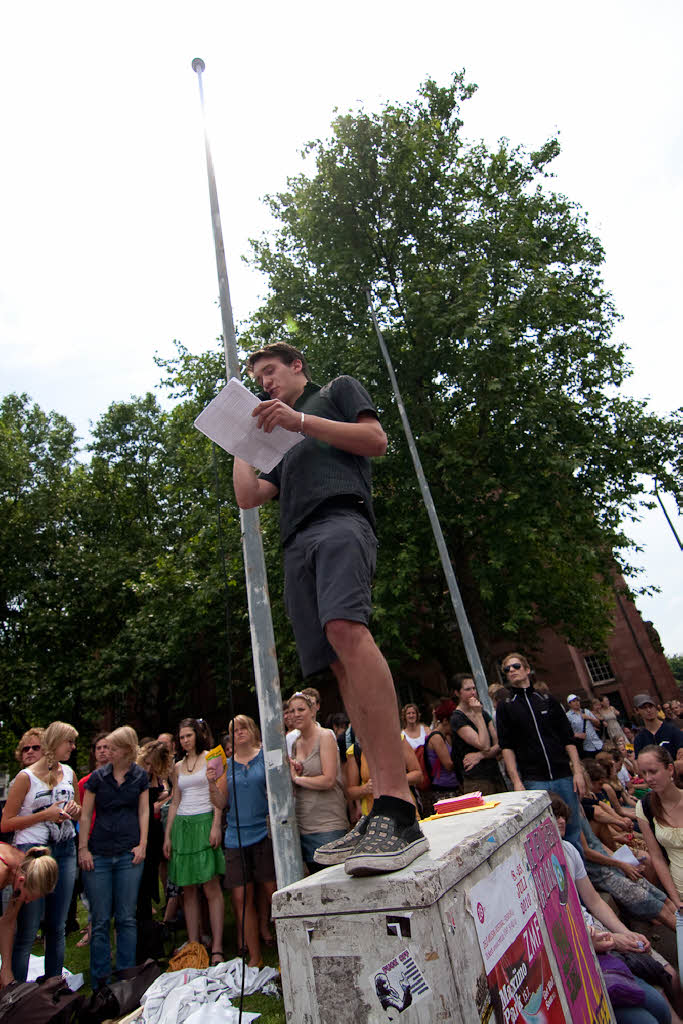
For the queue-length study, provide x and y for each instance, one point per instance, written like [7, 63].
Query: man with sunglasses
[539, 749]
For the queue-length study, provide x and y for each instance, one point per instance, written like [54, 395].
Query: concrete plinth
[338, 935]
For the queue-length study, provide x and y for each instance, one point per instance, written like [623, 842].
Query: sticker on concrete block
[398, 984]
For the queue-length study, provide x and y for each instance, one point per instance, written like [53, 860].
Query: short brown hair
[559, 808]
[283, 351]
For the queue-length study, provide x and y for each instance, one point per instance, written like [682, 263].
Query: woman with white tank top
[42, 806]
[193, 840]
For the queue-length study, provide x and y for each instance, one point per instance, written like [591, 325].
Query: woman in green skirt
[192, 841]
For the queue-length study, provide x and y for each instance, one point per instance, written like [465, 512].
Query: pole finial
[198, 64]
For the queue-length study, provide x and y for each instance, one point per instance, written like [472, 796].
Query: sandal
[85, 938]
[216, 953]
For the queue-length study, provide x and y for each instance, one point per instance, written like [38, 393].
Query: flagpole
[454, 590]
[284, 831]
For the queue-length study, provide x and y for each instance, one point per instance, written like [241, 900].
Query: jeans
[113, 885]
[563, 788]
[655, 1009]
[55, 906]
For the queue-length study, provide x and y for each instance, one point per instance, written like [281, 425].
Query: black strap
[646, 804]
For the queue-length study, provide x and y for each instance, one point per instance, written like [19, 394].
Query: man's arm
[594, 903]
[364, 437]
[577, 770]
[250, 491]
[510, 762]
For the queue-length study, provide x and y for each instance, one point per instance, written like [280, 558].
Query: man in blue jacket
[539, 749]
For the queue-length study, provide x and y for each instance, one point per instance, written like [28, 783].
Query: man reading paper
[327, 528]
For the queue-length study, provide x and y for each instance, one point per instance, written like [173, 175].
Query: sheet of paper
[625, 855]
[227, 420]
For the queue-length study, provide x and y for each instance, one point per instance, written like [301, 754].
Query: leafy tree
[37, 455]
[676, 664]
[489, 288]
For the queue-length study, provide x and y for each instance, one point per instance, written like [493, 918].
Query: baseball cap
[571, 697]
[642, 698]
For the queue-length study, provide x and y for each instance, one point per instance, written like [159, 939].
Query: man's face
[167, 739]
[515, 672]
[281, 381]
[575, 705]
[648, 712]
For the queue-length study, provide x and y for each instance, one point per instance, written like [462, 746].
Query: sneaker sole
[329, 860]
[378, 864]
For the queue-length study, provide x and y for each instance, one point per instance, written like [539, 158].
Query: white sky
[106, 251]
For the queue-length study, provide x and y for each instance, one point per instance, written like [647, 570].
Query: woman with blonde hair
[31, 876]
[414, 731]
[315, 769]
[112, 857]
[42, 806]
[249, 864]
[29, 748]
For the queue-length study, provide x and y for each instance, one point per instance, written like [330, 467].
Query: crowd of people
[167, 821]
[143, 815]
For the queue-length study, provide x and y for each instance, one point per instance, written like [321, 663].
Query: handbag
[48, 1002]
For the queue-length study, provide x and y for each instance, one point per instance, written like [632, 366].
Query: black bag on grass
[48, 1002]
[122, 996]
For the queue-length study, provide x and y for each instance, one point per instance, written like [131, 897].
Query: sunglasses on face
[35, 746]
[509, 668]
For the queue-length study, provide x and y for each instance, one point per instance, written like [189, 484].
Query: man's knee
[344, 635]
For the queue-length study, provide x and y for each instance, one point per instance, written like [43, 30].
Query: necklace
[187, 764]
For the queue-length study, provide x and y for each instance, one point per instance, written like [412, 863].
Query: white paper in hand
[625, 855]
[227, 420]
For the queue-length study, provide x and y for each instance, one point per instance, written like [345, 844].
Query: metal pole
[666, 514]
[453, 589]
[285, 835]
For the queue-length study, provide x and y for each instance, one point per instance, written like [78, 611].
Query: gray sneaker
[338, 850]
[386, 847]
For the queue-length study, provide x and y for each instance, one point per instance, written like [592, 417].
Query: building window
[599, 669]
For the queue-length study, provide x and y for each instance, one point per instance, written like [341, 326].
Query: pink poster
[520, 979]
[561, 911]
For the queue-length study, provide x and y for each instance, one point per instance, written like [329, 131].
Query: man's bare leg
[367, 690]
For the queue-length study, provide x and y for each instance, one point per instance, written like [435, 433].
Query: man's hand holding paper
[235, 421]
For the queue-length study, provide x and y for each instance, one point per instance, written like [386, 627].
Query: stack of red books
[459, 803]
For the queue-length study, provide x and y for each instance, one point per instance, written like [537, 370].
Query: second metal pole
[454, 590]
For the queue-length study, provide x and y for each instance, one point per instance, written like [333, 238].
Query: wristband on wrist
[301, 428]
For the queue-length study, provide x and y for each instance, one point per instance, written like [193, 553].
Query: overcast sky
[106, 253]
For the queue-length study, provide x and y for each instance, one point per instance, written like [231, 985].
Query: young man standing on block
[327, 528]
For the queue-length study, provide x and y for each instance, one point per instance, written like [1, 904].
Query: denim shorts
[329, 566]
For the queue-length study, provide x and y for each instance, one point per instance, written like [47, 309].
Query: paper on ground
[625, 855]
[227, 420]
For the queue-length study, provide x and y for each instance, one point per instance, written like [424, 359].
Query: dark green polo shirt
[314, 473]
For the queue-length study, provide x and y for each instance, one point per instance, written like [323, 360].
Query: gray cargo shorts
[329, 566]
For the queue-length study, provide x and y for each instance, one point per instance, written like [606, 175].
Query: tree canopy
[489, 288]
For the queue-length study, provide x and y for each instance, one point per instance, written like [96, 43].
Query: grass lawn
[272, 1009]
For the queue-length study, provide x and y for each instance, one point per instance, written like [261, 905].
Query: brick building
[634, 663]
